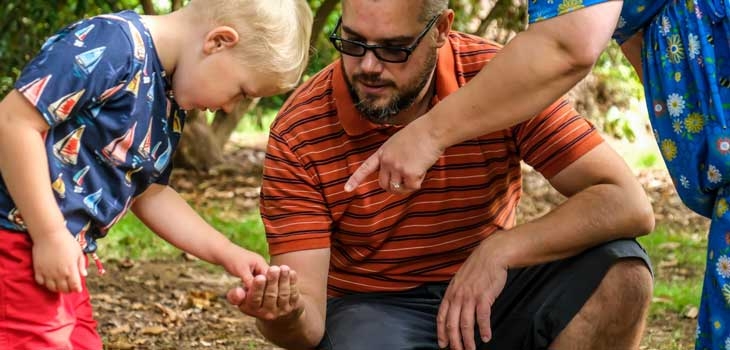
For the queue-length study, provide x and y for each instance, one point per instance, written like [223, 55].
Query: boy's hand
[272, 297]
[58, 262]
[242, 263]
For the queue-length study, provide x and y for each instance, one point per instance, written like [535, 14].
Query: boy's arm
[170, 217]
[534, 69]
[57, 258]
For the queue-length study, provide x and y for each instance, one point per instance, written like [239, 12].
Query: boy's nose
[228, 107]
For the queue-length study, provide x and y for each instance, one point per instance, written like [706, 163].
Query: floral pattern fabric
[686, 78]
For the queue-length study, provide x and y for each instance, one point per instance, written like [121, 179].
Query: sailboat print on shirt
[17, 219]
[176, 123]
[67, 149]
[61, 109]
[144, 147]
[34, 90]
[119, 215]
[163, 159]
[117, 150]
[92, 201]
[133, 86]
[87, 61]
[78, 179]
[139, 50]
[81, 235]
[129, 173]
[82, 33]
[59, 186]
[109, 92]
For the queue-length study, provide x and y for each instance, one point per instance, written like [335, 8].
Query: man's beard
[403, 98]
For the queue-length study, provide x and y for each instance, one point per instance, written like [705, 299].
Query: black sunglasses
[392, 54]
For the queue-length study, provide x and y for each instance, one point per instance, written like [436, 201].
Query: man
[445, 265]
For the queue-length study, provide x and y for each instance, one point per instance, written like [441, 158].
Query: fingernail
[485, 339]
[348, 187]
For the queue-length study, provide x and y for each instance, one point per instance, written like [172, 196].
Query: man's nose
[370, 63]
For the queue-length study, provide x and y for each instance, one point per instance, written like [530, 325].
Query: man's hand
[58, 262]
[271, 297]
[403, 160]
[471, 293]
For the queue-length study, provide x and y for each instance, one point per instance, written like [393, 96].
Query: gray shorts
[535, 306]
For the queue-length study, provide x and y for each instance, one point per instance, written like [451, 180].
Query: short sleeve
[555, 138]
[539, 10]
[77, 68]
[293, 210]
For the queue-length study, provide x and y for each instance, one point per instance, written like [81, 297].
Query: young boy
[89, 131]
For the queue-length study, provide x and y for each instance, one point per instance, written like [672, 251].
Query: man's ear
[444, 27]
[220, 38]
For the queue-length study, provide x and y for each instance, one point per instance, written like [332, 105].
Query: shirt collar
[355, 124]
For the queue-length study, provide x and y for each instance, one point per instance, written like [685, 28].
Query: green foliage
[679, 251]
[616, 89]
[27, 24]
[130, 238]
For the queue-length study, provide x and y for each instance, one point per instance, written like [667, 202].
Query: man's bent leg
[614, 316]
[540, 302]
[383, 321]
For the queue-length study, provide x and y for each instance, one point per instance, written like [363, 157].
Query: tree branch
[148, 7]
[320, 19]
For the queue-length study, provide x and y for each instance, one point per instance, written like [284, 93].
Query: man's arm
[534, 69]
[605, 202]
[304, 327]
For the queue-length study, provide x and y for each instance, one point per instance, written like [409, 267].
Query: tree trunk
[224, 124]
[148, 7]
[198, 148]
[320, 19]
[201, 147]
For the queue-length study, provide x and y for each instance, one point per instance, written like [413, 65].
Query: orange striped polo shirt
[385, 242]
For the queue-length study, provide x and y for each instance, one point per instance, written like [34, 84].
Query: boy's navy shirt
[100, 86]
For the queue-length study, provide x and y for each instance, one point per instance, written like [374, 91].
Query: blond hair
[273, 34]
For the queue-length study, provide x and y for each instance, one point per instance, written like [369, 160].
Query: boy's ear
[220, 38]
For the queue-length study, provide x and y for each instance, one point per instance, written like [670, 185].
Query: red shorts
[31, 316]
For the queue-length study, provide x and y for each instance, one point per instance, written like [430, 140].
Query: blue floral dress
[686, 68]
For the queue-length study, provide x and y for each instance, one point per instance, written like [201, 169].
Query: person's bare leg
[615, 315]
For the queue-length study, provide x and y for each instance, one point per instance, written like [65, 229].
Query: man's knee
[626, 286]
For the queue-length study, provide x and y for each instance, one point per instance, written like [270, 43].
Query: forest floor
[180, 304]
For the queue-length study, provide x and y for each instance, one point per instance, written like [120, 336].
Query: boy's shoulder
[113, 28]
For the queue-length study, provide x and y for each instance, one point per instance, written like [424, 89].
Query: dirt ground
[180, 304]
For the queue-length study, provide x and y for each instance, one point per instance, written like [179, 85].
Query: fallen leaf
[692, 313]
[154, 330]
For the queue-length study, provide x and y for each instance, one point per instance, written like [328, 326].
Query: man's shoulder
[312, 95]
[471, 41]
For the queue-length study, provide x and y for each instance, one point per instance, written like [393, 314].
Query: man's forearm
[596, 215]
[301, 332]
